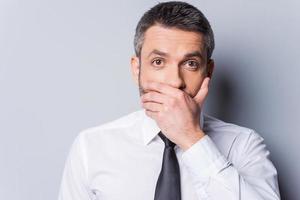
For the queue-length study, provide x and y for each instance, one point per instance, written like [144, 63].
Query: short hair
[175, 14]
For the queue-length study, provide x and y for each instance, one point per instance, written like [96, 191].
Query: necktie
[168, 183]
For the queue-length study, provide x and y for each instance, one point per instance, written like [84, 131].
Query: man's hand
[176, 113]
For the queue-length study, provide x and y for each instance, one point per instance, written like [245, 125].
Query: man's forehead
[161, 39]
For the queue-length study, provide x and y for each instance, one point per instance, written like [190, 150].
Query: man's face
[174, 57]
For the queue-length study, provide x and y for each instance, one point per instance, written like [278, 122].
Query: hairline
[141, 38]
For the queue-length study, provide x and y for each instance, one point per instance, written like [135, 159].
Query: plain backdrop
[65, 66]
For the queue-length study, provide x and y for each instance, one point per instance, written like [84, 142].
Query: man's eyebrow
[155, 51]
[187, 55]
[194, 54]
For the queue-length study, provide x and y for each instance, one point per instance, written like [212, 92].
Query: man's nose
[174, 78]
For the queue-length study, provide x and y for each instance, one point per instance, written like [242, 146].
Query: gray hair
[175, 14]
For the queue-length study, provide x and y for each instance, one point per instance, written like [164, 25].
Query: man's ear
[135, 69]
[210, 67]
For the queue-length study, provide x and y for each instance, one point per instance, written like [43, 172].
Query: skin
[173, 75]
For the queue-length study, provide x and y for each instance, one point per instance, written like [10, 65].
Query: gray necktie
[168, 183]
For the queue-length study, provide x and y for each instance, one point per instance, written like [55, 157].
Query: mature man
[170, 149]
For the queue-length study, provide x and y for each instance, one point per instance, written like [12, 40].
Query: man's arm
[74, 179]
[253, 176]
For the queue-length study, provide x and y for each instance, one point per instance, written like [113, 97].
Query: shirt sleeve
[74, 180]
[253, 176]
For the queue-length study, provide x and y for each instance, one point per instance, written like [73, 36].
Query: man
[170, 149]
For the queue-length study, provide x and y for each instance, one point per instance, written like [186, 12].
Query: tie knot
[168, 143]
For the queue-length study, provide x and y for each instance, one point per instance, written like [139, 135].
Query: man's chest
[132, 174]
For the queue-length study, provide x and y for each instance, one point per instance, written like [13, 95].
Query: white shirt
[121, 160]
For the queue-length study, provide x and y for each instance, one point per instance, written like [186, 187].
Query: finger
[154, 96]
[162, 88]
[203, 91]
[154, 107]
[151, 114]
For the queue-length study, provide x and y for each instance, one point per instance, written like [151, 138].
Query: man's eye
[157, 62]
[192, 64]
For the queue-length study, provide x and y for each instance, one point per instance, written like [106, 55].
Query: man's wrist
[192, 139]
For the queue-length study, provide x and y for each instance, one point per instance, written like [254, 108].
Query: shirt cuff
[203, 159]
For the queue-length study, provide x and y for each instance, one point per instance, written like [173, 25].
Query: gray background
[64, 67]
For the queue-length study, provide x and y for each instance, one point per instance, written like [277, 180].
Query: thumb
[203, 92]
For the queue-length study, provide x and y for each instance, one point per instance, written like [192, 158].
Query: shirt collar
[150, 128]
